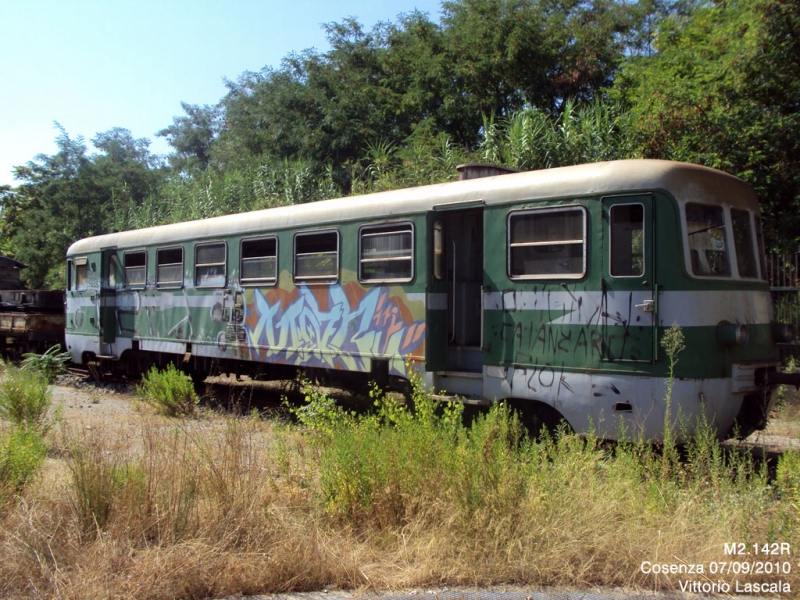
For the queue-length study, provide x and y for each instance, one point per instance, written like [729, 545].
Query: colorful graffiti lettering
[333, 327]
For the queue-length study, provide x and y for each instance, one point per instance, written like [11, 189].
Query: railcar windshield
[708, 228]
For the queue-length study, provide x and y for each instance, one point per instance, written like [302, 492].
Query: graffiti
[335, 327]
[592, 326]
[547, 377]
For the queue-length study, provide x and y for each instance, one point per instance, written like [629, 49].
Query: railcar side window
[386, 252]
[114, 273]
[316, 257]
[705, 225]
[743, 243]
[627, 240]
[81, 274]
[259, 261]
[135, 268]
[438, 250]
[544, 243]
[209, 265]
[169, 266]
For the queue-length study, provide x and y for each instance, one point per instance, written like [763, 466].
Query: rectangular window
[169, 266]
[135, 268]
[705, 225]
[81, 273]
[386, 252]
[259, 261]
[316, 257]
[70, 278]
[209, 265]
[743, 244]
[547, 243]
[627, 240]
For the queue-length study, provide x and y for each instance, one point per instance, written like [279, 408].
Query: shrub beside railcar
[551, 289]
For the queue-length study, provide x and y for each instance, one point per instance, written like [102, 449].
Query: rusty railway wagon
[30, 320]
[550, 289]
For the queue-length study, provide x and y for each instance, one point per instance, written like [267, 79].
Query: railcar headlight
[783, 333]
[732, 334]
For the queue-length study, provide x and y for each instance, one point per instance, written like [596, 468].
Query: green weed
[169, 391]
[25, 398]
[50, 364]
[21, 457]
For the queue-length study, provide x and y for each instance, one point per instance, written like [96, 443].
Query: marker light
[732, 334]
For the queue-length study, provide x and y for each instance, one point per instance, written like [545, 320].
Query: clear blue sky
[96, 64]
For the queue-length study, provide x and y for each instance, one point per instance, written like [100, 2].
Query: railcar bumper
[760, 396]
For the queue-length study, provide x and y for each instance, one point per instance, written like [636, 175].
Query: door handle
[646, 306]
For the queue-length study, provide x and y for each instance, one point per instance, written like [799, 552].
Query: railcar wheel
[752, 417]
[538, 417]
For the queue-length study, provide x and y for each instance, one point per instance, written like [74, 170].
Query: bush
[21, 456]
[25, 399]
[50, 364]
[169, 391]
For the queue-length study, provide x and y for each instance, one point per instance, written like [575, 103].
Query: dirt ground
[92, 405]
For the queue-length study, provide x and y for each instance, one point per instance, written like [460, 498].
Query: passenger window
[135, 268]
[743, 243]
[386, 253]
[259, 261]
[115, 278]
[705, 226]
[438, 250]
[81, 274]
[70, 266]
[627, 240]
[209, 265]
[316, 257]
[169, 266]
[547, 243]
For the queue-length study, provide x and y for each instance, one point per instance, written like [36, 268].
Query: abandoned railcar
[552, 289]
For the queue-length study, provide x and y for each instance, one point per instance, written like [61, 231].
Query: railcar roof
[684, 181]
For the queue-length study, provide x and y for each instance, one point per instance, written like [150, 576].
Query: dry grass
[209, 507]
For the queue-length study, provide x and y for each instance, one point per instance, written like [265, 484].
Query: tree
[416, 79]
[66, 197]
[125, 167]
[192, 137]
[723, 91]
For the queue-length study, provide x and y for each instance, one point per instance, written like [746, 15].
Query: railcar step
[107, 356]
[462, 400]
[463, 374]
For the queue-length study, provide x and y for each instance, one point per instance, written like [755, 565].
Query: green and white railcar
[552, 289]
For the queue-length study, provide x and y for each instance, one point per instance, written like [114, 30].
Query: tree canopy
[526, 83]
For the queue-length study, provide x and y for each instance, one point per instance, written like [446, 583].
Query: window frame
[126, 269]
[175, 283]
[316, 279]
[611, 239]
[81, 265]
[401, 227]
[197, 247]
[255, 281]
[542, 211]
[762, 255]
[752, 246]
[728, 232]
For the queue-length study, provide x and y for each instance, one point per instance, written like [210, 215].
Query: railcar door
[455, 279]
[110, 274]
[629, 312]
